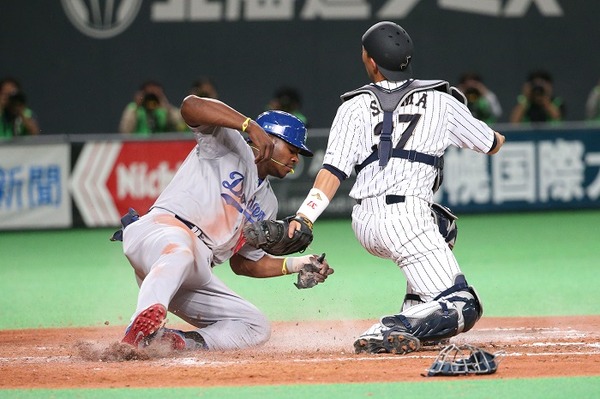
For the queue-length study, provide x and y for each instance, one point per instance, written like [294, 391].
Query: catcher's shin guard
[454, 311]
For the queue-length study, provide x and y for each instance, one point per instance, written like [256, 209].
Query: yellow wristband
[284, 269]
[245, 124]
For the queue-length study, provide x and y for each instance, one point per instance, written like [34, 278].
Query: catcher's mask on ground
[465, 359]
[287, 127]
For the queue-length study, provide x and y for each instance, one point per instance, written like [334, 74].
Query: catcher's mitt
[446, 222]
[272, 235]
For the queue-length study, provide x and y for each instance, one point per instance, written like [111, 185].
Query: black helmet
[391, 47]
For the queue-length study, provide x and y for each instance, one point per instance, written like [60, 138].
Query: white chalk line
[192, 361]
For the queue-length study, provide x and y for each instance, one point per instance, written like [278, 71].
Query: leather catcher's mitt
[446, 221]
[272, 235]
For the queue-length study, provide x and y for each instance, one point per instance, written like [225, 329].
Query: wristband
[315, 203]
[294, 264]
[245, 124]
[284, 269]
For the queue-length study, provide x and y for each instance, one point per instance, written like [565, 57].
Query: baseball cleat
[396, 342]
[441, 343]
[180, 340]
[145, 324]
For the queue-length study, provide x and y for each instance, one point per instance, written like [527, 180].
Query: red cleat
[145, 324]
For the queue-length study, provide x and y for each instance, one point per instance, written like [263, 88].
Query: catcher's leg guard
[454, 311]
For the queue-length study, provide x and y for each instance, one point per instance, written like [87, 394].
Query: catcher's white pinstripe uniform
[393, 218]
[404, 232]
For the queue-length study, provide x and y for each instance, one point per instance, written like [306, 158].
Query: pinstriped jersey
[434, 120]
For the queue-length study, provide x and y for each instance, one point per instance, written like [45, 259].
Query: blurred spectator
[482, 102]
[592, 106]
[150, 112]
[16, 119]
[537, 102]
[204, 87]
[288, 99]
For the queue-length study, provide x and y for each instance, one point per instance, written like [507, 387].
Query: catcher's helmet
[391, 48]
[287, 127]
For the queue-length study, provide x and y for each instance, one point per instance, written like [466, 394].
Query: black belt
[390, 199]
[190, 225]
[195, 229]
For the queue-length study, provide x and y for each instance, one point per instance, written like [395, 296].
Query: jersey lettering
[422, 101]
[413, 120]
[236, 198]
[408, 100]
[374, 108]
[378, 128]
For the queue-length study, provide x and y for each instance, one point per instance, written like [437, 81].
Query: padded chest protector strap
[388, 101]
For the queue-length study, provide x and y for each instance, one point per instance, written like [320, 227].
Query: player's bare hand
[261, 141]
[313, 272]
[294, 225]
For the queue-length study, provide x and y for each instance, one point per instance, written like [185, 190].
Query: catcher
[197, 223]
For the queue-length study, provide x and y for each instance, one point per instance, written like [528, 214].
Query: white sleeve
[346, 135]
[466, 131]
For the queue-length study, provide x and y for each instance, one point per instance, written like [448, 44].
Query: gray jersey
[434, 119]
[217, 189]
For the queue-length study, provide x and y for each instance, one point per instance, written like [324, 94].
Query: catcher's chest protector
[388, 101]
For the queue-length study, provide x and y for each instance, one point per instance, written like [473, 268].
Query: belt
[389, 199]
[195, 229]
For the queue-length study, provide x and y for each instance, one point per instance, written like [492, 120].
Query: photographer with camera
[537, 102]
[204, 87]
[288, 99]
[16, 119]
[150, 112]
[481, 101]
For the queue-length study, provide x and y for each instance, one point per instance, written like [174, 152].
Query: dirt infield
[298, 352]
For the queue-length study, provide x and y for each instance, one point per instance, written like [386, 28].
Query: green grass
[446, 388]
[539, 264]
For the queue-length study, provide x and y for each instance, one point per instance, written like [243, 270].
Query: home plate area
[302, 352]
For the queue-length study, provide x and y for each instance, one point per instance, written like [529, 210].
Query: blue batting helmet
[287, 127]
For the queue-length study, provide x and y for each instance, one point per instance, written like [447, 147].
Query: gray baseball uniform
[201, 214]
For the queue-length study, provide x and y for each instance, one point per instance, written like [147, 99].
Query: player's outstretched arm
[324, 189]
[498, 142]
[314, 268]
[199, 111]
